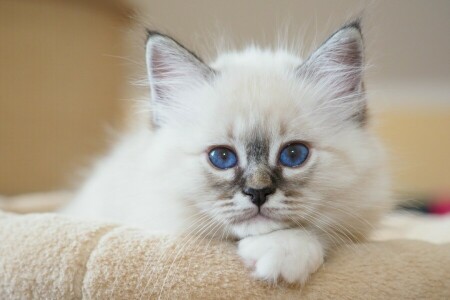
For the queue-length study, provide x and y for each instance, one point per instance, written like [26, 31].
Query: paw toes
[268, 267]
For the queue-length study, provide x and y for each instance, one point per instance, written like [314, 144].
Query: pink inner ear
[348, 62]
[172, 68]
[337, 65]
[348, 53]
[160, 71]
[337, 68]
[159, 68]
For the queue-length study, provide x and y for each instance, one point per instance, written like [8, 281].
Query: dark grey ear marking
[172, 68]
[152, 33]
[355, 24]
[341, 55]
[361, 115]
[338, 65]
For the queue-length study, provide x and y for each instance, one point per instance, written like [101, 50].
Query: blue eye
[222, 158]
[293, 155]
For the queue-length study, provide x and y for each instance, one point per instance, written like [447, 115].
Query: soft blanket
[47, 256]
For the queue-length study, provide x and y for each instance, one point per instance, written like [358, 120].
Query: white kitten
[259, 145]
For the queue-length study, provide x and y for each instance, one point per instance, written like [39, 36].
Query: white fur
[292, 254]
[156, 178]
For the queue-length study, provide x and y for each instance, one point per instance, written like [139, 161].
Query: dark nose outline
[258, 196]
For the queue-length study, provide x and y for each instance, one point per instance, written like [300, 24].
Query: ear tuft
[151, 33]
[356, 24]
[172, 69]
[337, 67]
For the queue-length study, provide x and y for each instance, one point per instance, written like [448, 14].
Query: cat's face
[264, 141]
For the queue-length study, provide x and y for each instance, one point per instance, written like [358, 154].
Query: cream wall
[60, 85]
[407, 40]
[63, 74]
[418, 143]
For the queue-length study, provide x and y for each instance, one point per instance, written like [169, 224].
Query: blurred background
[67, 67]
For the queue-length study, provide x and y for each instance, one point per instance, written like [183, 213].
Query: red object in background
[441, 205]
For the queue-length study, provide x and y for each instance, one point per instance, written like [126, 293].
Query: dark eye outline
[290, 143]
[208, 151]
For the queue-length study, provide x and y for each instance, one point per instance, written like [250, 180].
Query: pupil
[224, 155]
[293, 153]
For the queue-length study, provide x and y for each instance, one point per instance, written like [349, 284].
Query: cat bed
[48, 256]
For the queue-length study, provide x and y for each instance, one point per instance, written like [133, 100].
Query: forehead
[257, 107]
[253, 105]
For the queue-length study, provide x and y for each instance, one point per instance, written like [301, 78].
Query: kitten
[259, 145]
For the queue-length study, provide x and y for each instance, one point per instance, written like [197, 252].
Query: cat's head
[260, 140]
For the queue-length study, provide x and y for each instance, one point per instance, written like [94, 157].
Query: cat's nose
[258, 196]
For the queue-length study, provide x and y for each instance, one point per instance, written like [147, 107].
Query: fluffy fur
[254, 102]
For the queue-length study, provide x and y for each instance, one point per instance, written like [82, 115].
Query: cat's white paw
[292, 255]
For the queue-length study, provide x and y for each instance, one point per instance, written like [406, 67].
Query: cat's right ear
[171, 69]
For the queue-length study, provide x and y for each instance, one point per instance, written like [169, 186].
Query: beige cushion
[54, 257]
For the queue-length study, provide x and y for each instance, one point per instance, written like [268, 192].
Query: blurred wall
[406, 40]
[61, 82]
[60, 87]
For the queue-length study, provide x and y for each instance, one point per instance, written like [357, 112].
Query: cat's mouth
[256, 216]
[261, 217]
[254, 221]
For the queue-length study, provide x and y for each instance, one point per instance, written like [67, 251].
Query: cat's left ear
[337, 68]
[172, 69]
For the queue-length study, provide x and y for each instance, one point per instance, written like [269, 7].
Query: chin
[256, 226]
